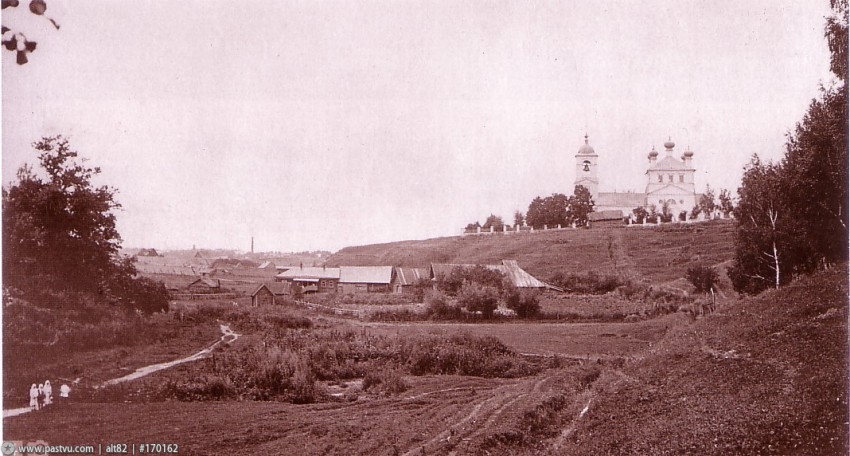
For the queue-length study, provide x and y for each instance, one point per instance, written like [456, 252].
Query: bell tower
[586, 164]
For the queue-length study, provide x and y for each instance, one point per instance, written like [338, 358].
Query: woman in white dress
[34, 397]
[48, 393]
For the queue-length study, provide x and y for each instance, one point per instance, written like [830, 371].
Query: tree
[557, 209]
[493, 221]
[725, 202]
[59, 227]
[666, 214]
[763, 233]
[706, 202]
[793, 215]
[694, 212]
[472, 227]
[518, 218]
[60, 234]
[580, 204]
[536, 214]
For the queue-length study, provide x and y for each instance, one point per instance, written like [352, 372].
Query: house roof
[310, 273]
[276, 288]
[409, 276]
[625, 199]
[510, 268]
[267, 265]
[606, 215]
[212, 283]
[365, 274]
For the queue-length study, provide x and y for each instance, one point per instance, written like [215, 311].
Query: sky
[318, 125]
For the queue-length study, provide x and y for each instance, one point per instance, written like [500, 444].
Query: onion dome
[688, 153]
[653, 153]
[669, 145]
[586, 149]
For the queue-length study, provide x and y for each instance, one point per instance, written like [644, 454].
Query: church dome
[653, 153]
[586, 148]
[688, 153]
[669, 145]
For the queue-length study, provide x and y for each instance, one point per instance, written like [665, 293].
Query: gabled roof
[669, 163]
[266, 265]
[310, 273]
[365, 274]
[510, 268]
[409, 276]
[212, 283]
[276, 288]
[620, 199]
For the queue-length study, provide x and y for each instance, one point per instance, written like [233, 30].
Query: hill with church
[657, 254]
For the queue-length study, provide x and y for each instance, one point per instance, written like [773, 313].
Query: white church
[668, 179]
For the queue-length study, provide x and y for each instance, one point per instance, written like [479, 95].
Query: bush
[438, 308]
[525, 304]
[385, 381]
[702, 278]
[479, 298]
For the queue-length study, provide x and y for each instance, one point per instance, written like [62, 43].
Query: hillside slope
[766, 375]
[658, 254]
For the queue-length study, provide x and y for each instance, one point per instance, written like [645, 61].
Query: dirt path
[227, 337]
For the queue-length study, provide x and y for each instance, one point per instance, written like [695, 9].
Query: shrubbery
[590, 283]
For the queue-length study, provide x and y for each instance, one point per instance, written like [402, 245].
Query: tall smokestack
[252, 244]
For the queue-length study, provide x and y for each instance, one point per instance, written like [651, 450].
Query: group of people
[42, 395]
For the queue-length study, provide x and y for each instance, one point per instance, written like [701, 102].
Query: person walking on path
[34, 397]
[48, 393]
[40, 396]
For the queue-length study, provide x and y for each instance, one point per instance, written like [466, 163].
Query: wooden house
[405, 278]
[269, 294]
[205, 285]
[312, 279]
[365, 279]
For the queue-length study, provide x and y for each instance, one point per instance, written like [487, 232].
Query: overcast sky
[317, 125]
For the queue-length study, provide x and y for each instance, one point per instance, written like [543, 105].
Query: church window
[660, 178]
[669, 178]
[681, 178]
[681, 201]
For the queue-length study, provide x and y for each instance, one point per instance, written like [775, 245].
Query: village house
[269, 294]
[205, 285]
[405, 278]
[312, 279]
[365, 279]
[509, 268]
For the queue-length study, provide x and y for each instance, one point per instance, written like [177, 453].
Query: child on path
[48, 393]
[34, 397]
[64, 391]
[40, 396]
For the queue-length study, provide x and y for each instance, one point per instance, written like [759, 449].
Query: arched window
[586, 165]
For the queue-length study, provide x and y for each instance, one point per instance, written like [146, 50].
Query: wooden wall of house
[264, 297]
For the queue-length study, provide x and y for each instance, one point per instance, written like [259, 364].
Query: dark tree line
[559, 209]
[59, 232]
[792, 215]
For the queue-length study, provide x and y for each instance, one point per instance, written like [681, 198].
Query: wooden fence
[334, 310]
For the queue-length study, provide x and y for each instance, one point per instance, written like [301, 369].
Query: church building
[669, 180]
